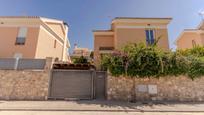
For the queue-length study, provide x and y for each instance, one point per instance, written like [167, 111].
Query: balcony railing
[106, 48]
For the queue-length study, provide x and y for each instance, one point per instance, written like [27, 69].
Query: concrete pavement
[90, 113]
[97, 107]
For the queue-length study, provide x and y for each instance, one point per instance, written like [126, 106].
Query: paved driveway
[97, 108]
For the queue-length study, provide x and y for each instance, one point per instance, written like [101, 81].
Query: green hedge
[137, 60]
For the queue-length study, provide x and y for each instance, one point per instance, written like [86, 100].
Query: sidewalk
[105, 106]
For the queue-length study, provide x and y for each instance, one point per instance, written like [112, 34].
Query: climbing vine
[139, 60]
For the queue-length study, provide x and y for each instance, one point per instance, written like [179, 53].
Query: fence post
[48, 64]
[93, 96]
[16, 64]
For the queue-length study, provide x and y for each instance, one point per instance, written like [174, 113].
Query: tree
[81, 60]
[92, 55]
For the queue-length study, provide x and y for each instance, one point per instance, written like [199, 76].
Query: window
[55, 44]
[106, 48]
[149, 36]
[20, 40]
[193, 43]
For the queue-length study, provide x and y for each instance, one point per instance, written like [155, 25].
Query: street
[93, 113]
[98, 108]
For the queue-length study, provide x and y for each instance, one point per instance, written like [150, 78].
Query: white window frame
[22, 34]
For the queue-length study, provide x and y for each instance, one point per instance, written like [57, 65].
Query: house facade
[130, 30]
[33, 37]
[78, 52]
[190, 38]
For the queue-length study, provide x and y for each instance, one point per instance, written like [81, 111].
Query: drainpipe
[16, 63]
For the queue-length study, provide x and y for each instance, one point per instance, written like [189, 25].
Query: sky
[84, 16]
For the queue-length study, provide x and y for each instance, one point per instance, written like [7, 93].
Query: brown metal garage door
[71, 84]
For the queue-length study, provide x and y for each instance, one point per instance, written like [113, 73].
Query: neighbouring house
[78, 52]
[33, 37]
[130, 30]
[190, 38]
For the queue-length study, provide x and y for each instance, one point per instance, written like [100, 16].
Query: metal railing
[22, 64]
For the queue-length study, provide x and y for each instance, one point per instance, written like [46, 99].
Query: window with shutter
[149, 36]
[22, 33]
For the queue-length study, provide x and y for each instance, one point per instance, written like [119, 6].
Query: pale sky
[83, 16]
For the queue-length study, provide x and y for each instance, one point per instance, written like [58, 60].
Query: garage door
[71, 84]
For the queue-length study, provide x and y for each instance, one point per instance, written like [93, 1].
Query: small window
[193, 43]
[106, 48]
[22, 33]
[55, 44]
[149, 36]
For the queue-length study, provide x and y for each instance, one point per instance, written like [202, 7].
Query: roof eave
[141, 20]
[184, 31]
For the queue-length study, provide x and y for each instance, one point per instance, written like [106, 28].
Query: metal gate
[100, 84]
[77, 84]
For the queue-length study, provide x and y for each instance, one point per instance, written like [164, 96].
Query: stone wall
[179, 88]
[23, 85]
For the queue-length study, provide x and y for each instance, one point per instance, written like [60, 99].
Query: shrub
[175, 64]
[138, 60]
[197, 51]
[196, 68]
[81, 60]
[144, 61]
[114, 63]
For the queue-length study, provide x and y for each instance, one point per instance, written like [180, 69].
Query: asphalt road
[98, 108]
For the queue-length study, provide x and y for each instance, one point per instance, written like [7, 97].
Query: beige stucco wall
[185, 41]
[23, 85]
[45, 46]
[8, 38]
[101, 41]
[129, 34]
[164, 41]
[57, 28]
[125, 36]
[169, 88]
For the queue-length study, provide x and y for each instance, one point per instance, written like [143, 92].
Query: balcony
[106, 49]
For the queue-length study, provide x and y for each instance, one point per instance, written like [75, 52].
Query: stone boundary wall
[179, 88]
[24, 85]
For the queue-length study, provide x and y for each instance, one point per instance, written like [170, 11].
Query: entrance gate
[77, 84]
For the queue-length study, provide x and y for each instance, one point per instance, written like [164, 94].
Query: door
[100, 85]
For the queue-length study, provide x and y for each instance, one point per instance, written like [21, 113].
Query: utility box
[142, 88]
[152, 89]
